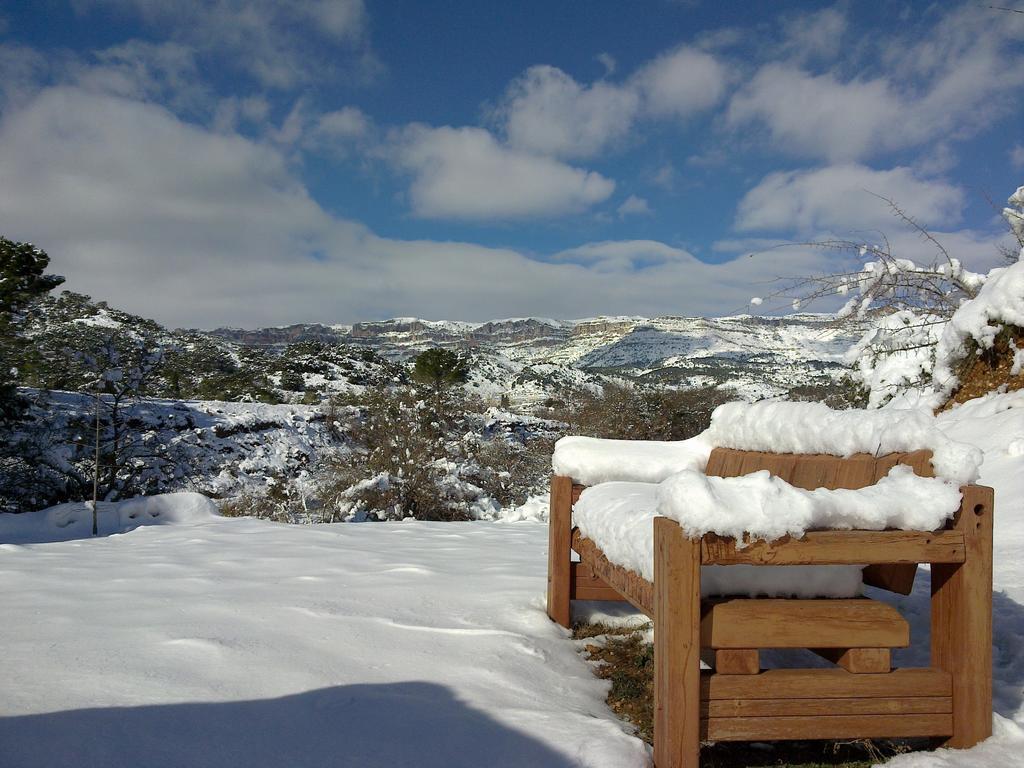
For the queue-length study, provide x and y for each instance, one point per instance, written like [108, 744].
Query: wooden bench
[861, 696]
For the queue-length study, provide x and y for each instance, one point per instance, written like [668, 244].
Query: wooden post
[560, 550]
[732, 661]
[676, 647]
[962, 620]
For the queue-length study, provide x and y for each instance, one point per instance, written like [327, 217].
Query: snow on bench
[774, 426]
[618, 518]
[632, 482]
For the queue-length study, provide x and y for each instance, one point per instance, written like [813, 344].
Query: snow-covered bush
[430, 453]
[409, 449]
[936, 319]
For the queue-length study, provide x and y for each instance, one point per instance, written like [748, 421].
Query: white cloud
[665, 177]
[345, 123]
[1017, 156]
[162, 72]
[607, 61]
[336, 132]
[634, 206]
[21, 70]
[277, 43]
[817, 115]
[233, 110]
[843, 197]
[681, 83]
[545, 110]
[464, 173]
[816, 34]
[623, 256]
[199, 229]
[977, 250]
[964, 74]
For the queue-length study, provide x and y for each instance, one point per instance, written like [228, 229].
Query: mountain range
[758, 356]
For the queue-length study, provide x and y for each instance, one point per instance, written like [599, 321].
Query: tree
[439, 368]
[406, 452]
[22, 281]
[902, 305]
[117, 377]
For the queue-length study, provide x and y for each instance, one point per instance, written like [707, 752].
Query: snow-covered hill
[528, 358]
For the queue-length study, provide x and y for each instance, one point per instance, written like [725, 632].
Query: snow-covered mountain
[522, 356]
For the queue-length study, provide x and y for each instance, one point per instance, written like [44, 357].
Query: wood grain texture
[559, 550]
[908, 705]
[894, 578]
[860, 661]
[817, 471]
[632, 586]
[676, 647]
[724, 661]
[961, 631]
[839, 547]
[774, 623]
[887, 726]
[826, 684]
[811, 471]
[584, 584]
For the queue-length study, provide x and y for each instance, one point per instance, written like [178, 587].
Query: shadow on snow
[400, 724]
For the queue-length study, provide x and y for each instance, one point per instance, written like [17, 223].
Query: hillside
[530, 357]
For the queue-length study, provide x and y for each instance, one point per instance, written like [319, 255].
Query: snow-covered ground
[220, 642]
[235, 642]
[995, 424]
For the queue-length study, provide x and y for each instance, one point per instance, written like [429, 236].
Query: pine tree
[22, 280]
[440, 368]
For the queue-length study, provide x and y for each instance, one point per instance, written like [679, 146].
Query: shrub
[408, 457]
[440, 368]
[630, 412]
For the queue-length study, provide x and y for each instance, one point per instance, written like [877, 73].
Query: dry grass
[986, 372]
[624, 657]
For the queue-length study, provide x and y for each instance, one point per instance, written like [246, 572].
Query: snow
[65, 522]
[1000, 302]
[589, 460]
[994, 423]
[534, 509]
[772, 425]
[788, 427]
[769, 508]
[1014, 213]
[618, 517]
[896, 354]
[209, 641]
[242, 642]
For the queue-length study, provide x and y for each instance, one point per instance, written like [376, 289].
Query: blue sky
[261, 162]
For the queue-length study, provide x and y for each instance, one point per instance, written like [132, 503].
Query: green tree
[22, 281]
[440, 368]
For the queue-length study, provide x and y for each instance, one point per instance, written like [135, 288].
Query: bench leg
[560, 550]
[962, 621]
[676, 647]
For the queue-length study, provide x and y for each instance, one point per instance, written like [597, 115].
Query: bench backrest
[810, 471]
